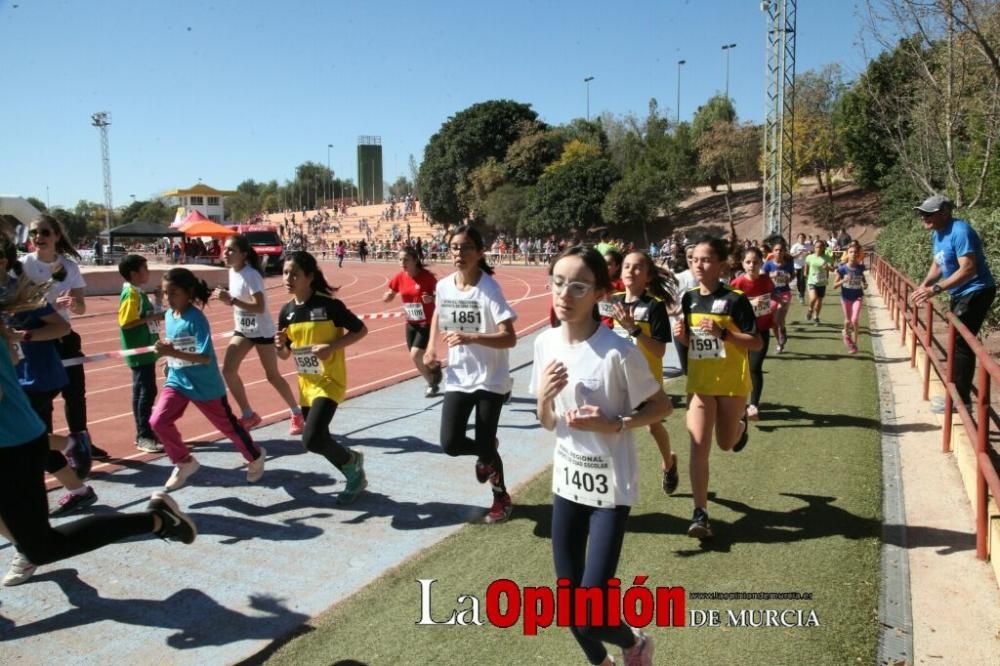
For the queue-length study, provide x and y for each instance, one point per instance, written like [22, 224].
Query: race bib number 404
[585, 478]
[187, 345]
[705, 345]
[247, 323]
[306, 362]
[463, 316]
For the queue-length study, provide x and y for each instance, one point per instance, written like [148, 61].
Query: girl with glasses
[476, 324]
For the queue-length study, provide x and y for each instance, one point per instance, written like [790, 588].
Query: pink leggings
[170, 408]
[852, 310]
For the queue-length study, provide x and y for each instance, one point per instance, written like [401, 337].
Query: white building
[206, 200]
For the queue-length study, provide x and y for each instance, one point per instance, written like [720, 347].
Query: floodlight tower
[101, 120]
[779, 150]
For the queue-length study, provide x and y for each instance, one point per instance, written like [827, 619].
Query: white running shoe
[181, 473]
[255, 468]
[20, 570]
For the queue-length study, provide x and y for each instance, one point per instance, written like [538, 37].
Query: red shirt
[762, 286]
[413, 290]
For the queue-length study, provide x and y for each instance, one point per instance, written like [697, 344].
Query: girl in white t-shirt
[477, 325]
[593, 387]
[254, 327]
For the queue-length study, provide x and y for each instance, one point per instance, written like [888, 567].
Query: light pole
[329, 175]
[587, 81]
[679, 63]
[727, 48]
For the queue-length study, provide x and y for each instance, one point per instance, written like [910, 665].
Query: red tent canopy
[193, 216]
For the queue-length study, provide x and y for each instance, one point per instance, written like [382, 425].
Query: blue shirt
[41, 369]
[781, 274]
[190, 331]
[19, 424]
[846, 272]
[956, 240]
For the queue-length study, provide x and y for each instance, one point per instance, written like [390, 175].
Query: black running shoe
[742, 441]
[700, 528]
[175, 524]
[97, 453]
[670, 477]
[78, 455]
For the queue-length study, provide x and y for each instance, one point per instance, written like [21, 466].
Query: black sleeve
[686, 313]
[343, 317]
[659, 322]
[283, 315]
[743, 315]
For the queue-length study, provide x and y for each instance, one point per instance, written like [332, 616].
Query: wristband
[636, 332]
[936, 289]
[724, 334]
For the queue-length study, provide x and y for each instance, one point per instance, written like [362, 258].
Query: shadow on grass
[198, 620]
[778, 417]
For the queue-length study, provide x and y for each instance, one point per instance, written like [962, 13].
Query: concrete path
[269, 556]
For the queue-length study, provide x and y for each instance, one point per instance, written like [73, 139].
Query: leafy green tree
[570, 197]
[464, 142]
[505, 207]
[400, 188]
[528, 156]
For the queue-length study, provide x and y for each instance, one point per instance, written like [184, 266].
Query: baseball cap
[933, 204]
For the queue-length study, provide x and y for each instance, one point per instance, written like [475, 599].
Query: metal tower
[101, 120]
[779, 153]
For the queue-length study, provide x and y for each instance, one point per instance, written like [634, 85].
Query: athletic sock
[247, 412]
[294, 411]
[82, 490]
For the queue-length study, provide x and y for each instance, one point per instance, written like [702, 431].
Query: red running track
[377, 361]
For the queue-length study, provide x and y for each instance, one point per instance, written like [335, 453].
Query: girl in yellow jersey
[718, 329]
[640, 316]
[314, 328]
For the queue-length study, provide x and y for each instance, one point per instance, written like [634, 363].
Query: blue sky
[228, 90]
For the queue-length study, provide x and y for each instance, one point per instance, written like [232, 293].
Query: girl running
[718, 329]
[415, 284]
[593, 388]
[193, 376]
[818, 267]
[781, 270]
[851, 280]
[340, 253]
[52, 261]
[757, 287]
[640, 316]
[24, 511]
[314, 329]
[478, 328]
[254, 329]
[800, 250]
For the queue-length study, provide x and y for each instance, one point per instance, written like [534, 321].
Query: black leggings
[75, 393]
[971, 310]
[800, 282]
[586, 545]
[316, 433]
[455, 413]
[41, 402]
[757, 368]
[24, 508]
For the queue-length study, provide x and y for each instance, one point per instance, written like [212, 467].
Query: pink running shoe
[250, 422]
[297, 424]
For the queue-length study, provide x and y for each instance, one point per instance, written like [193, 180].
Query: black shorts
[417, 336]
[820, 289]
[256, 341]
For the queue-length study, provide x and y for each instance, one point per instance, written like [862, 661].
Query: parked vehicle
[266, 242]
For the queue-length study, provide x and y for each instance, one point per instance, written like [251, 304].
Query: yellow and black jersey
[717, 367]
[650, 315]
[319, 321]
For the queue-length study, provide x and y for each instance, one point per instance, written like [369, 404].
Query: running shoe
[438, 375]
[483, 470]
[78, 454]
[182, 472]
[175, 525]
[816, 321]
[700, 528]
[809, 315]
[296, 424]
[357, 481]
[779, 348]
[148, 445]
[255, 468]
[19, 572]
[501, 509]
[69, 502]
[753, 413]
[96, 452]
[670, 477]
[852, 348]
[251, 421]
[432, 391]
[742, 441]
[640, 654]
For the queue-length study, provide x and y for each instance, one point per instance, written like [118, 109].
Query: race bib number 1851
[464, 316]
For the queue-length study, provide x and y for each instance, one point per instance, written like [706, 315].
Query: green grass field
[797, 511]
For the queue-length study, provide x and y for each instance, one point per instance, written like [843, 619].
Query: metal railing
[916, 326]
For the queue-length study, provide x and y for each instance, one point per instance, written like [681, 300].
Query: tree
[730, 150]
[574, 151]
[464, 142]
[504, 208]
[570, 197]
[400, 188]
[527, 157]
[817, 139]
[718, 109]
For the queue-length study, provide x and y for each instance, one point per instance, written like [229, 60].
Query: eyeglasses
[576, 289]
[459, 249]
[44, 233]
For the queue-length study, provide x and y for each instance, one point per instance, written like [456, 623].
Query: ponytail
[188, 282]
[662, 282]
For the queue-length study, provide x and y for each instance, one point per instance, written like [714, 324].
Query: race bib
[247, 323]
[414, 312]
[154, 327]
[306, 362]
[186, 344]
[819, 278]
[851, 282]
[585, 478]
[762, 307]
[780, 279]
[705, 345]
[605, 308]
[460, 315]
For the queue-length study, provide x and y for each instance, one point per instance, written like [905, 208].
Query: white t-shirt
[243, 284]
[799, 252]
[480, 309]
[38, 272]
[685, 281]
[611, 373]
